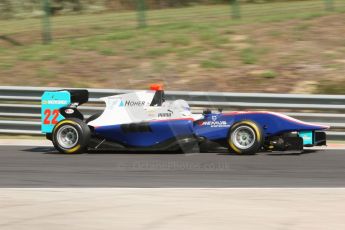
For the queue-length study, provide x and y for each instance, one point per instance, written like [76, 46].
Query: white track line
[25, 142]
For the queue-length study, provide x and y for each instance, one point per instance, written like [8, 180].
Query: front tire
[245, 137]
[71, 136]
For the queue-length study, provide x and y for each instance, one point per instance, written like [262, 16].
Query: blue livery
[145, 121]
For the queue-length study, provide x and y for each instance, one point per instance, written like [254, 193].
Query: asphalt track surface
[44, 167]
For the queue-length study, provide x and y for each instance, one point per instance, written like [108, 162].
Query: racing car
[145, 120]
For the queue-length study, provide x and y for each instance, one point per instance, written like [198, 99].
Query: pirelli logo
[164, 115]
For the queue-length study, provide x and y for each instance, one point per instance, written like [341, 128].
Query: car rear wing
[53, 101]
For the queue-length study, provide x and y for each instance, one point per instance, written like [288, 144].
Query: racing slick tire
[71, 136]
[245, 137]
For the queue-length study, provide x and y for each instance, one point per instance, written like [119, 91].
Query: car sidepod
[150, 134]
[214, 127]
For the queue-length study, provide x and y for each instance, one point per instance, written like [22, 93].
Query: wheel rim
[67, 137]
[243, 137]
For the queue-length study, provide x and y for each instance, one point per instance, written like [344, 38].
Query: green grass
[172, 35]
[122, 35]
[107, 52]
[207, 35]
[159, 66]
[331, 87]
[275, 33]
[39, 52]
[249, 56]
[6, 65]
[46, 74]
[198, 14]
[313, 15]
[215, 60]
[188, 52]
[158, 52]
[269, 74]
[209, 64]
[3, 50]
[337, 66]
[180, 40]
[302, 27]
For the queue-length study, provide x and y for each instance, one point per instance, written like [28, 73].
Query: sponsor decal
[69, 111]
[129, 103]
[164, 114]
[54, 102]
[215, 124]
[134, 103]
[307, 137]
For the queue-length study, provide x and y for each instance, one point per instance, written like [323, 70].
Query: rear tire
[71, 136]
[245, 137]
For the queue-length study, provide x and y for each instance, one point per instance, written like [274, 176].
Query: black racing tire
[71, 136]
[245, 138]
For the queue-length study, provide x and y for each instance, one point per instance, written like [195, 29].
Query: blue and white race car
[144, 120]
